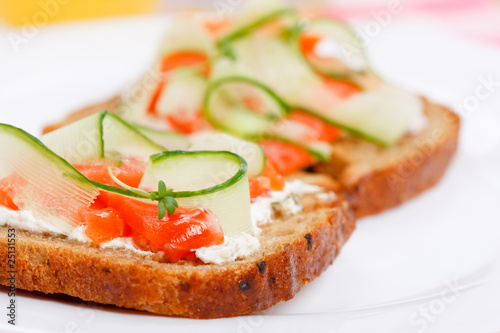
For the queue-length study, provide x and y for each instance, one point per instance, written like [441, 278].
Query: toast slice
[110, 105]
[373, 178]
[294, 250]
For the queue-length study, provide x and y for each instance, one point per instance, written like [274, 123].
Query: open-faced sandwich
[102, 213]
[175, 201]
[300, 86]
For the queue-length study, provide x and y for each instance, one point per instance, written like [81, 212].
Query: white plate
[430, 265]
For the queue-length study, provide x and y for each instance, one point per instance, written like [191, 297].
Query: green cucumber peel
[226, 50]
[287, 108]
[346, 128]
[77, 175]
[293, 33]
[242, 171]
[207, 112]
[47, 185]
[242, 32]
[142, 128]
[180, 194]
[253, 154]
[169, 139]
[166, 198]
[129, 126]
[238, 78]
[103, 135]
[102, 115]
[214, 180]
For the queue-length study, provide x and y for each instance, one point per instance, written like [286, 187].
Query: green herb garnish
[165, 198]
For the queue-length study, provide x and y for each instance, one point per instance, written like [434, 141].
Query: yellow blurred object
[41, 12]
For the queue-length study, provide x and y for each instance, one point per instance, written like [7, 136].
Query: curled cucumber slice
[184, 35]
[183, 93]
[101, 135]
[168, 139]
[250, 151]
[226, 108]
[256, 14]
[216, 180]
[382, 116]
[42, 182]
[339, 50]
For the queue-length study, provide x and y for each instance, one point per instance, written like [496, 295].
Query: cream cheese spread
[233, 248]
[261, 208]
[418, 124]
[123, 243]
[78, 234]
[326, 196]
[24, 220]
[118, 243]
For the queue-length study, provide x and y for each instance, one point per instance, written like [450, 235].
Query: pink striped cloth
[477, 19]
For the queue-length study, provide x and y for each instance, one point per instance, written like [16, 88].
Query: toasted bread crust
[295, 250]
[109, 105]
[375, 179]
